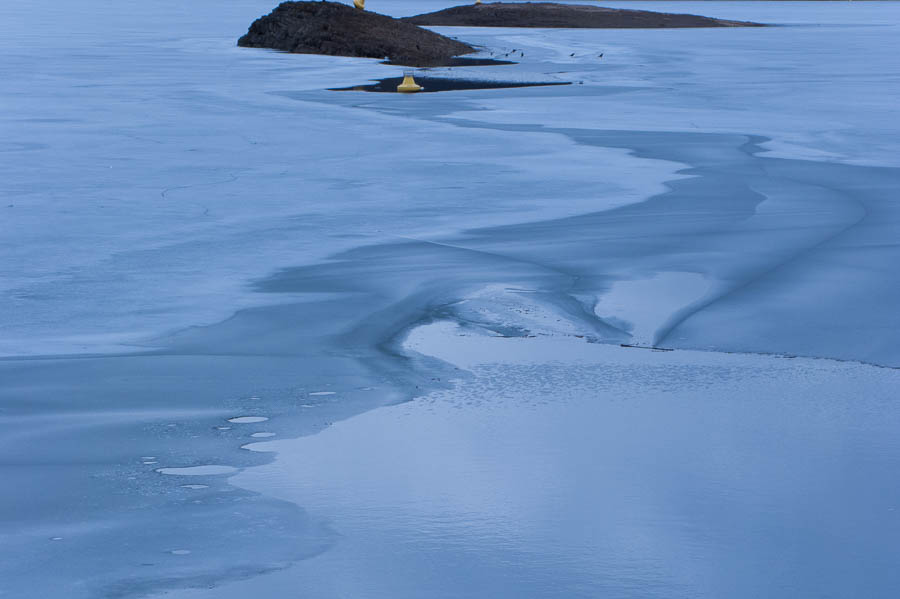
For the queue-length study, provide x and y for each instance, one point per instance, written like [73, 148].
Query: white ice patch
[322, 393]
[247, 419]
[466, 348]
[258, 447]
[262, 435]
[514, 308]
[643, 306]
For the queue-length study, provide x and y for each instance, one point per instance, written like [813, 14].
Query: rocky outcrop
[549, 14]
[342, 30]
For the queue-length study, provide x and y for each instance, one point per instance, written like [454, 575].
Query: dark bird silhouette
[601, 55]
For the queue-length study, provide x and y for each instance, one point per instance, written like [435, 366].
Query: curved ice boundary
[746, 253]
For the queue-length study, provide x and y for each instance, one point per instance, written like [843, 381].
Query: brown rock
[342, 30]
[550, 14]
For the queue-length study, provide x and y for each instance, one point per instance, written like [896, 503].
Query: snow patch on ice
[258, 447]
[644, 305]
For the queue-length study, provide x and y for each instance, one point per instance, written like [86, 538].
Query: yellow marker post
[360, 4]
[408, 85]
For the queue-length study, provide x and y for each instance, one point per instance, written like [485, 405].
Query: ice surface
[255, 447]
[198, 470]
[193, 231]
[247, 419]
[644, 305]
[208, 178]
[563, 468]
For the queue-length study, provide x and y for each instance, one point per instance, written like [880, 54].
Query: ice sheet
[562, 468]
[218, 236]
[150, 168]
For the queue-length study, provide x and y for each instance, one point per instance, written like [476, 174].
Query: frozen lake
[559, 468]
[216, 380]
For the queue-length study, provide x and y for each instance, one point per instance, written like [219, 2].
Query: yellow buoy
[408, 85]
[360, 4]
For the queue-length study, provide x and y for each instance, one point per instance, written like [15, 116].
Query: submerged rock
[341, 30]
[551, 14]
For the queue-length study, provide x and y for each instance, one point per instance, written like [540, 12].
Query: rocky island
[341, 30]
[551, 14]
[337, 29]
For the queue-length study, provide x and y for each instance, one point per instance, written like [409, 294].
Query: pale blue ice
[216, 381]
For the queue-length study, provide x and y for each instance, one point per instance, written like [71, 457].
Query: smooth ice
[194, 233]
[561, 468]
